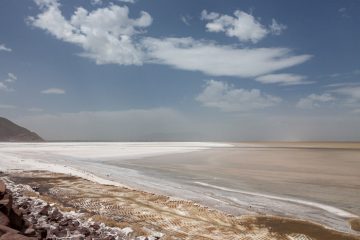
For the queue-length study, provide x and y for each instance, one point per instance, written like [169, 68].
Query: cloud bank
[164, 124]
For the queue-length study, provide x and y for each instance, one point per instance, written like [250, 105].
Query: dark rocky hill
[11, 132]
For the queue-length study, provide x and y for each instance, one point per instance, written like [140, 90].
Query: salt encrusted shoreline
[37, 219]
[58, 206]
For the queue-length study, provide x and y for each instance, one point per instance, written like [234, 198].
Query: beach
[312, 182]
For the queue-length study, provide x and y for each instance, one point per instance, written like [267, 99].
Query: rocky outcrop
[12, 224]
[11, 132]
[27, 218]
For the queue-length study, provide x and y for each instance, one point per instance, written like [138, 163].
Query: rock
[2, 188]
[35, 187]
[24, 205]
[27, 223]
[45, 210]
[109, 238]
[6, 203]
[14, 236]
[84, 231]
[66, 222]
[95, 226]
[59, 233]
[34, 220]
[75, 223]
[5, 229]
[4, 220]
[78, 238]
[55, 216]
[42, 232]
[16, 219]
[29, 232]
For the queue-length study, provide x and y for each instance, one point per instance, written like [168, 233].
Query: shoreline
[255, 226]
[62, 165]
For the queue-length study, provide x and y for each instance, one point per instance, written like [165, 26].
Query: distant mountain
[10, 132]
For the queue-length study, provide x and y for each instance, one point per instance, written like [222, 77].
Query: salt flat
[310, 181]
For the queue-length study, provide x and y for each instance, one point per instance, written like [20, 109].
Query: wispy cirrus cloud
[4, 48]
[11, 78]
[351, 93]
[5, 85]
[7, 106]
[342, 95]
[227, 98]
[315, 100]
[186, 19]
[283, 79]
[343, 12]
[54, 91]
[220, 60]
[100, 2]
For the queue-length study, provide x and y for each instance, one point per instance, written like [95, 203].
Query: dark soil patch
[283, 226]
[355, 224]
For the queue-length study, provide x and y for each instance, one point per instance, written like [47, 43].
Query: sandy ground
[318, 182]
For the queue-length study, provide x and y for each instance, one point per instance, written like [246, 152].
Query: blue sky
[182, 70]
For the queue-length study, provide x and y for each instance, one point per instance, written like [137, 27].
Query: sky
[205, 70]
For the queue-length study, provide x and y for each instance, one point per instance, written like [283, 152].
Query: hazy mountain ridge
[11, 132]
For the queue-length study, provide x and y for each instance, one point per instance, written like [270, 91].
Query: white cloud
[108, 36]
[96, 2]
[277, 28]
[100, 2]
[349, 91]
[350, 94]
[283, 79]
[205, 15]
[343, 12]
[105, 34]
[229, 99]
[4, 48]
[53, 91]
[185, 19]
[244, 26]
[5, 87]
[127, 1]
[6, 106]
[11, 78]
[220, 60]
[314, 100]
